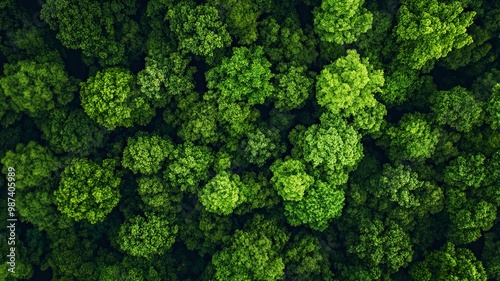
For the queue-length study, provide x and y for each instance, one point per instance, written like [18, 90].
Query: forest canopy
[261, 140]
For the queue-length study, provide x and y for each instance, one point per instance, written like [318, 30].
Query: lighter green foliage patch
[112, 99]
[88, 190]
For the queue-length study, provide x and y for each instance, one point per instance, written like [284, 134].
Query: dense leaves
[226, 140]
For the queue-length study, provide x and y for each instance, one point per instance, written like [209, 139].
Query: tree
[252, 255]
[332, 146]
[457, 108]
[112, 99]
[166, 77]
[145, 153]
[412, 139]
[287, 41]
[34, 87]
[293, 87]
[189, 166]
[34, 165]
[305, 259]
[341, 21]
[380, 243]
[348, 87]
[429, 30]
[220, 194]
[156, 194]
[465, 171]
[101, 30]
[449, 263]
[245, 76]
[321, 203]
[147, 236]
[72, 131]
[198, 29]
[241, 17]
[262, 144]
[399, 184]
[290, 179]
[88, 190]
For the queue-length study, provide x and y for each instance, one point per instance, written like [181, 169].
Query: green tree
[112, 99]
[34, 87]
[262, 144]
[245, 76]
[305, 259]
[189, 165]
[493, 108]
[293, 87]
[34, 165]
[162, 198]
[290, 179]
[348, 87]
[465, 171]
[103, 30]
[341, 21]
[253, 254]
[72, 131]
[429, 30]
[166, 77]
[380, 243]
[412, 139]
[449, 263]
[457, 108]
[241, 17]
[332, 146]
[147, 236]
[145, 153]
[88, 190]
[321, 203]
[198, 29]
[220, 194]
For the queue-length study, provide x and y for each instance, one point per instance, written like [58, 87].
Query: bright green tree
[428, 30]
[145, 153]
[34, 165]
[348, 87]
[112, 99]
[290, 179]
[147, 236]
[220, 194]
[341, 21]
[332, 146]
[88, 190]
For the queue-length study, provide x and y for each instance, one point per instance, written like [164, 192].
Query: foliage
[342, 21]
[448, 263]
[34, 87]
[147, 237]
[112, 99]
[145, 154]
[88, 190]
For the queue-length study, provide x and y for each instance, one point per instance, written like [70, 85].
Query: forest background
[251, 140]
